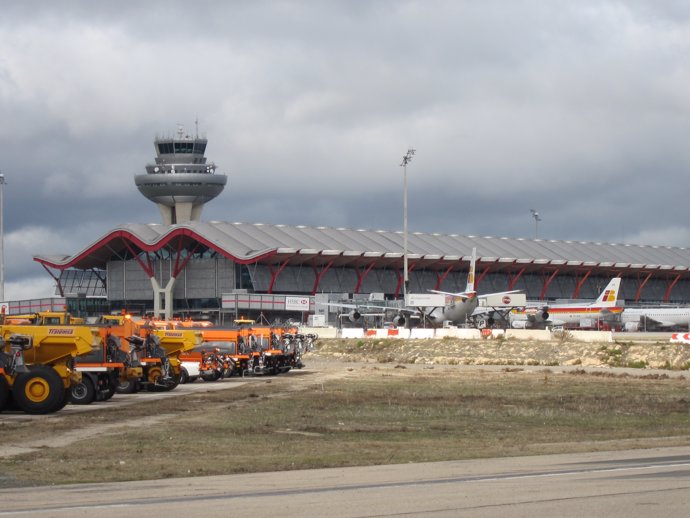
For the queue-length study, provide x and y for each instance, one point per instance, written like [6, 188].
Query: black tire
[127, 387]
[4, 392]
[83, 393]
[184, 376]
[109, 393]
[113, 382]
[172, 384]
[65, 400]
[214, 376]
[39, 391]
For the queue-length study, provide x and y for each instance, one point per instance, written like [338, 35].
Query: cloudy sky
[580, 110]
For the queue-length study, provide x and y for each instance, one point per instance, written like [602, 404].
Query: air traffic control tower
[180, 182]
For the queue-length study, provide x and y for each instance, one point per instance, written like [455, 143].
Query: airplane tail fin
[470, 274]
[609, 296]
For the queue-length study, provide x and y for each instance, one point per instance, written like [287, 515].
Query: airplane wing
[653, 322]
[464, 295]
[355, 312]
[469, 294]
[389, 308]
[486, 295]
[338, 305]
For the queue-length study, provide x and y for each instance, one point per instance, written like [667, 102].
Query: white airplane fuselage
[570, 315]
[653, 318]
[456, 311]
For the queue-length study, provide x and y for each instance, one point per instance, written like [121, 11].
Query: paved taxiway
[612, 484]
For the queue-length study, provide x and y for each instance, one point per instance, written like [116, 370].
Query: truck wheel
[4, 393]
[113, 381]
[83, 393]
[65, 400]
[39, 391]
[184, 376]
[214, 376]
[109, 393]
[127, 387]
[154, 375]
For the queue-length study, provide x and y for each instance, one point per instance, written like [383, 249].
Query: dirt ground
[564, 352]
[337, 359]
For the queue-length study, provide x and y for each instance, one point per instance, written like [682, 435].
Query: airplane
[643, 319]
[458, 307]
[604, 308]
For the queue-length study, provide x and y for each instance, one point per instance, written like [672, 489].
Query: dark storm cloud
[577, 109]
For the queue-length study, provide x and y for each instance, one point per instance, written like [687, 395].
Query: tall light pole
[2, 239]
[537, 219]
[406, 160]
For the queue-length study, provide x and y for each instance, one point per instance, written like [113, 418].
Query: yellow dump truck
[37, 364]
[44, 318]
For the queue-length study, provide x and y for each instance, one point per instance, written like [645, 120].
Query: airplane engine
[399, 320]
[545, 315]
[520, 324]
[354, 315]
[632, 326]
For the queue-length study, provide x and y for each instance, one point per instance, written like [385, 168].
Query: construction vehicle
[156, 350]
[249, 350]
[37, 365]
[45, 318]
[103, 369]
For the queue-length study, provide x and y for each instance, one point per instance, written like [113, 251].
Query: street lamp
[406, 160]
[2, 239]
[537, 219]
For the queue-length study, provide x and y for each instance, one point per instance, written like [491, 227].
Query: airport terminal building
[188, 266]
[220, 265]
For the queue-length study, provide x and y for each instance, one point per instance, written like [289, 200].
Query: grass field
[366, 414]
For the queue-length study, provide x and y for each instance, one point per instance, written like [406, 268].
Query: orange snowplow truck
[244, 351]
[37, 365]
[156, 351]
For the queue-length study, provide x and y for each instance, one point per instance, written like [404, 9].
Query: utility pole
[537, 219]
[406, 281]
[2, 239]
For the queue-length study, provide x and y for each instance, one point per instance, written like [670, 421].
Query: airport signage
[425, 300]
[297, 303]
[506, 300]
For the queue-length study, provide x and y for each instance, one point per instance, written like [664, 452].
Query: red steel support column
[362, 276]
[274, 275]
[542, 295]
[56, 279]
[442, 277]
[148, 267]
[513, 280]
[318, 275]
[177, 269]
[399, 285]
[478, 280]
[638, 293]
[667, 295]
[578, 287]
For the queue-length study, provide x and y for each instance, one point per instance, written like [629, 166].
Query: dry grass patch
[376, 415]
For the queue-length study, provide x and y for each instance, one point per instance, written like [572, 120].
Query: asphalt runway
[608, 484]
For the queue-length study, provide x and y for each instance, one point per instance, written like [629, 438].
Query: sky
[579, 110]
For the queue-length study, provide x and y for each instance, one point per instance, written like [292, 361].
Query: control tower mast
[180, 181]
